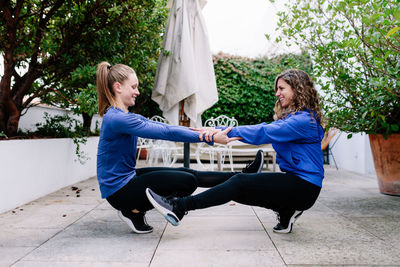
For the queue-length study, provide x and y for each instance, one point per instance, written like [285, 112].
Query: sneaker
[166, 206]
[286, 221]
[257, 164]
[136, 221]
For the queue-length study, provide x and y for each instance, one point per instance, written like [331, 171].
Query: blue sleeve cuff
[209, 143]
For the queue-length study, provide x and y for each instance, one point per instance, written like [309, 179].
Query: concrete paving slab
[83, 193]
[217, 258]
[340, 265]
[96, 238]
[25, 263]
[25, 237]
[321, 254]
[334, 242]
[89, 228]
[230, 233]
[110, 215]
[351, 224]
[386, 228]
[127, 248]
[105, 206]
[56, 215]
[216, 223]
[10, 255]
[343, 191]
[373, 206]
[69, 200]
[318, 212]
[86, 188]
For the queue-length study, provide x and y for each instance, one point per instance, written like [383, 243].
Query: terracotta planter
[386, 154]
[143, 153]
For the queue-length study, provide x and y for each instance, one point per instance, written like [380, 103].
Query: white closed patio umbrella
[185, 80]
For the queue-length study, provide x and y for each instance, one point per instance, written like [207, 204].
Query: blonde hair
[107, 75]
[305, 95]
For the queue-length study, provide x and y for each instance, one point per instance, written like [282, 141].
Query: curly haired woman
[296, 136]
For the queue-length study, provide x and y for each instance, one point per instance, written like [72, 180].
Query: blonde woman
[121, 183]
[296, 136]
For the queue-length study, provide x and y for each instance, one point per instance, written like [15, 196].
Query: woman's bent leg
[204, 178]
[270, 190]
[165, 182]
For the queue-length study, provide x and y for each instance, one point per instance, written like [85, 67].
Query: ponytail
[107, 75]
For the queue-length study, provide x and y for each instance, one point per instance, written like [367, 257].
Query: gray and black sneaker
[136, 221]
[286, 220]
[256, 165]
[166, 206]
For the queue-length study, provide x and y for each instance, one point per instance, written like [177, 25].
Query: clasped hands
[219, 136]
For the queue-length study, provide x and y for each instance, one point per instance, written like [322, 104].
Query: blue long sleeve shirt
[116, 154]
[296, 140]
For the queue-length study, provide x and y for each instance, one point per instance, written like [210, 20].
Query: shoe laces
[169, 199]
[248, 165]
[172, 200]
[278, 217]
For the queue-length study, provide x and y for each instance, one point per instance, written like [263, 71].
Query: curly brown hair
[305, 95]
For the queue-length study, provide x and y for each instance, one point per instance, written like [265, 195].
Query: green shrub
[62, 126]
[59, 126]
[2, 134]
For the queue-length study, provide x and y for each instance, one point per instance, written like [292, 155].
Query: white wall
[35, 115]
[30, 169]
[353, 154]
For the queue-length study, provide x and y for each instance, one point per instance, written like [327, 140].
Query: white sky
[238, 27]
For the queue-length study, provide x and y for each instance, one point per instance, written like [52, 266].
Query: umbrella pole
[184, 121]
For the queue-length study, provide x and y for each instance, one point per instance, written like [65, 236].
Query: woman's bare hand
[206, 133]
[221, 137]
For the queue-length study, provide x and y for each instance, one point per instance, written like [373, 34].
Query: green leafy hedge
[246, 86]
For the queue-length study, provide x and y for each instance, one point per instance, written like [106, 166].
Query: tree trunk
[3, 118]
[9, 115]
[87, 121]
[11, 102]
[13, 119]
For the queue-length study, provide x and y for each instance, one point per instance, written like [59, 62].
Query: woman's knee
[192, 181]
[238, 179]
[186, 184]
[187, 170]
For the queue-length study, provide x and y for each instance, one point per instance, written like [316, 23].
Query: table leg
[219, 160]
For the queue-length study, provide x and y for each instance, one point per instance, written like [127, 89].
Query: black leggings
[164, 181]
[276, 191]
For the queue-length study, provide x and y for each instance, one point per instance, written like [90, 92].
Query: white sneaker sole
[296, 215]
[130, 224]
[168, 215]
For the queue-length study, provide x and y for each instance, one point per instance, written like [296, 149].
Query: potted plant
[355, 46]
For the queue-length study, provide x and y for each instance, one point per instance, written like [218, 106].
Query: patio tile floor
[351, 224]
